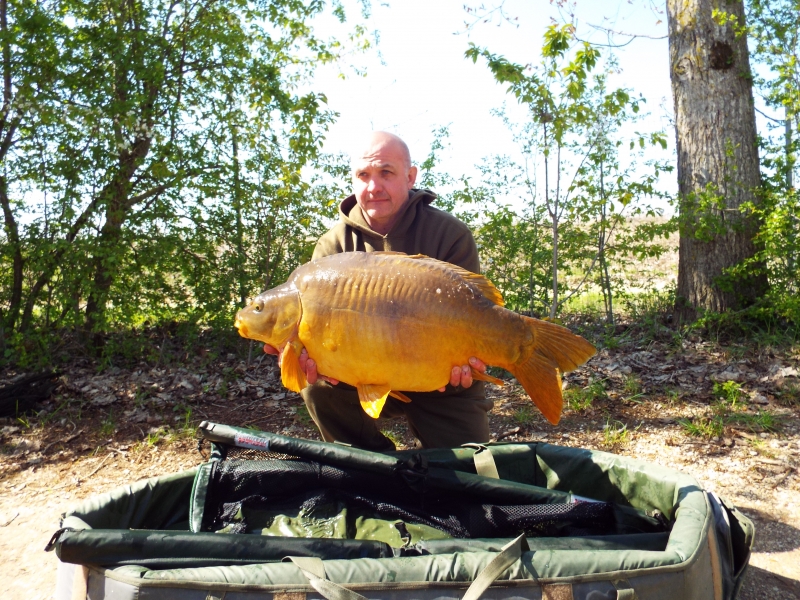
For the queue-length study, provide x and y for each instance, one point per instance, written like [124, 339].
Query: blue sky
[422, 81]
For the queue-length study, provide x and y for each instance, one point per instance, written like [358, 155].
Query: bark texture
[718, 166]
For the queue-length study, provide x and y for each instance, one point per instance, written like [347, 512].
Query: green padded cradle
[277, 518]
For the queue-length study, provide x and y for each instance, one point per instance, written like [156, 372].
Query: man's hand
[462, 376]
[307, 365]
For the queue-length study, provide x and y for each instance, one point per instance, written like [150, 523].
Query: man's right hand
[307, 365]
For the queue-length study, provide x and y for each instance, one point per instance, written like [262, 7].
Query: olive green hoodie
[420, 229]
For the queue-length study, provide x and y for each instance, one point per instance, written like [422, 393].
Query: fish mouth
[239, 324]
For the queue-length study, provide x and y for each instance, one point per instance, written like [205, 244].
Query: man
[384, 213]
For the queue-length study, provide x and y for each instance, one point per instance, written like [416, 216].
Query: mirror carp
[387, 322]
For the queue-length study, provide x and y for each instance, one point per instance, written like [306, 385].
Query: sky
[419, 80]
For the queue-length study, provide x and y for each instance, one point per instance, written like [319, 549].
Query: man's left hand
[462, 376]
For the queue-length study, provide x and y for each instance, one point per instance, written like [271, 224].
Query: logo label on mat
[244, 440]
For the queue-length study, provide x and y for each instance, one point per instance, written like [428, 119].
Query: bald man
[386, 212]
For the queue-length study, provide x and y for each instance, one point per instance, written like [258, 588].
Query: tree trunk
[237, 205]
[118, 207]
[103, 265]
[718, 166]
[8, 127]
[9, 319]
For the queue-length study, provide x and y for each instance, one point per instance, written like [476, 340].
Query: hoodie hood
[350, 214]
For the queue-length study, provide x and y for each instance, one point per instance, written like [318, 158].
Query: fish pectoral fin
[292, 375]
[372, 398]
[400, 396]
[479, 376]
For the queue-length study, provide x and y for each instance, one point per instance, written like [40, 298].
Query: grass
[763, 420]
[649, 311]
[109, 425]
[580, 399]
[150, 440]
[729, 410]
[789, 396]
[729, 393]
[632, 385]
[705, 427]
[186, 429]
[760, 447]
[673, 396]
[524, 415]
[301, 416]
[615, 434]
[393, 436]
[588, 302]
[51, 416]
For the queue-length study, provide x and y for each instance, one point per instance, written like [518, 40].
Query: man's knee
[321, 403]
[453, 419]
[340, 418]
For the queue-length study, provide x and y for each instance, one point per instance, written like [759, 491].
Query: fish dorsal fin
[372, 398]
[485, 286]
[292, 375]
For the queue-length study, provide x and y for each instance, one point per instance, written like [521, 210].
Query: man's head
[382, 177]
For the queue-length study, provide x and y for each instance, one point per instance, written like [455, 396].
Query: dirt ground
[729, 416]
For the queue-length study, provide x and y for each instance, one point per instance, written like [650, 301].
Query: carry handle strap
[314, 570]
[624, 590]
[484, 461]
[508, 555]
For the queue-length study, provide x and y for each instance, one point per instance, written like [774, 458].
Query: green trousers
[437, 419]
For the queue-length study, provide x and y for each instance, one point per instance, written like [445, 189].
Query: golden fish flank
[385, 322]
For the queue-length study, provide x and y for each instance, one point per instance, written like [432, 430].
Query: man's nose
[374, 185]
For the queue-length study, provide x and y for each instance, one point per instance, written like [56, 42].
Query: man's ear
[412, 177]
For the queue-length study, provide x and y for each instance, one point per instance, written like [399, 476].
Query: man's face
[381, 180]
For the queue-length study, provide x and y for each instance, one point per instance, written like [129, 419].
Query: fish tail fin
[556, 350]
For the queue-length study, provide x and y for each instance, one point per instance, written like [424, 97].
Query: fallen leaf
[104, 400]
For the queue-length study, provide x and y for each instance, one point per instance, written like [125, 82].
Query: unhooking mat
[279, 518]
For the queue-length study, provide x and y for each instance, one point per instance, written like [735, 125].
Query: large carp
[385, 322]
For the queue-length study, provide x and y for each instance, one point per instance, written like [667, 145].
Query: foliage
[632, 386]
[153, 160]
[303, 417]
[789, 395]
[730, 393]
[730, 409]
[393, 436]
[525, 415]
[615, 434]
[774, 28]
[706, 427]
[577, 200]
[580, 399]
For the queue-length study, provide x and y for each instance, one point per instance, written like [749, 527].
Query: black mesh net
[241, 488]
[236, 453]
